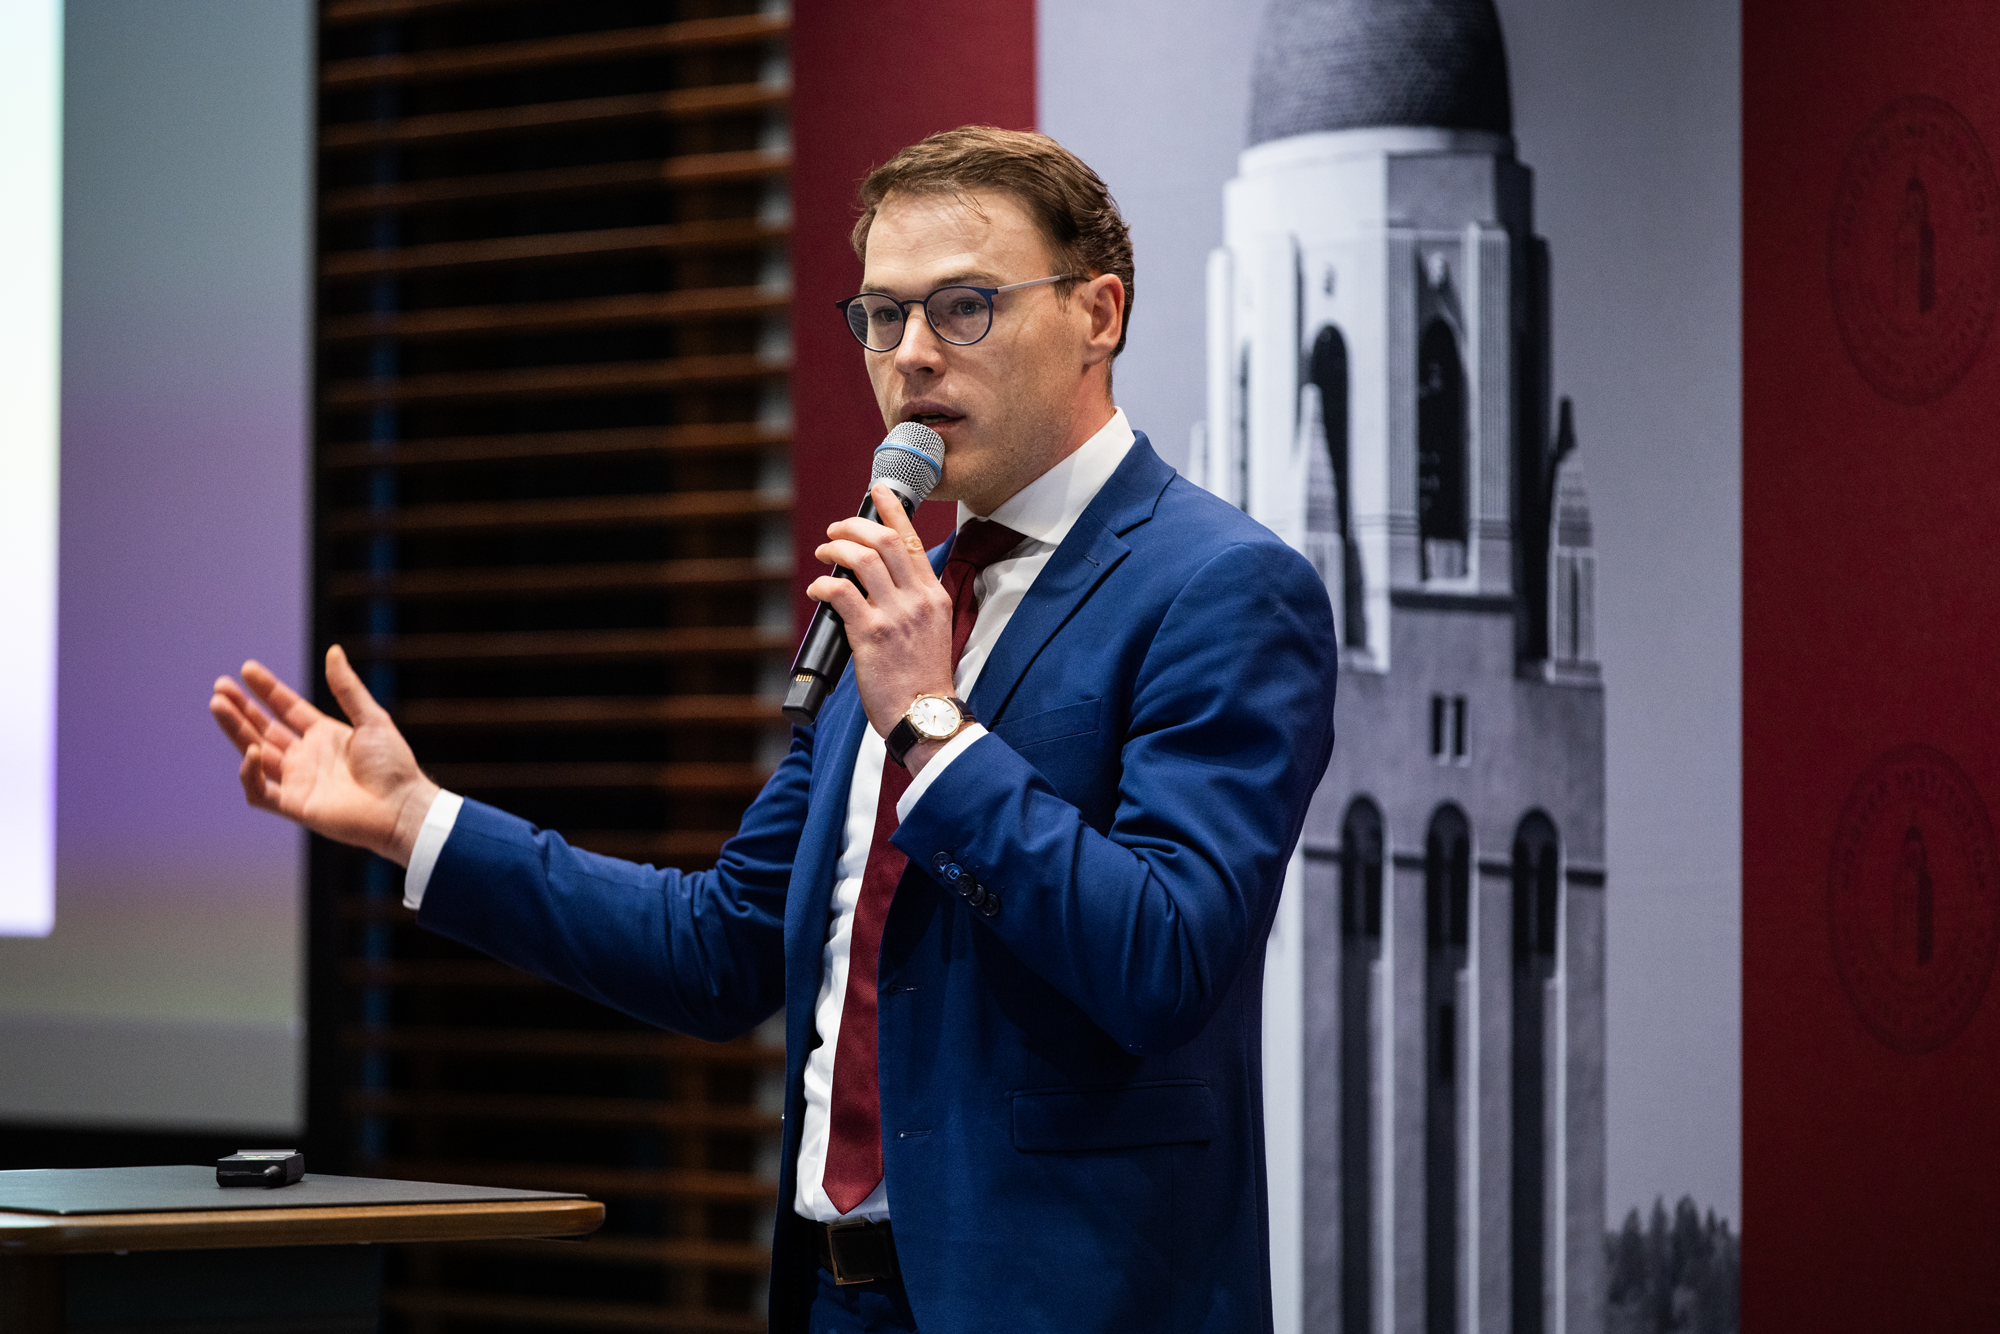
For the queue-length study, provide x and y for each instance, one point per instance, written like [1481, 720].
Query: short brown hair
[1068, 201]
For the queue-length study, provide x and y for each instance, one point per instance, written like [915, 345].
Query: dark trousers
[881, 1307]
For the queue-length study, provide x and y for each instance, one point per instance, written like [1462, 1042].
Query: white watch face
[934, 718]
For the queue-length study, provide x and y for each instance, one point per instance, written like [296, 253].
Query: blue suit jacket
[1071, 1087]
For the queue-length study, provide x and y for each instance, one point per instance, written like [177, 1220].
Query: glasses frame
[902, 307]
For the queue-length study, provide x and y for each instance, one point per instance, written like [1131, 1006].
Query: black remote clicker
[260, 1167]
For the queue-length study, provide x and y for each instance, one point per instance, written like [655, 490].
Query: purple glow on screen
[185, 280]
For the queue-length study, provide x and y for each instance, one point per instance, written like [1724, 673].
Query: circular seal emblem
[1914, 258]
[1913, 899]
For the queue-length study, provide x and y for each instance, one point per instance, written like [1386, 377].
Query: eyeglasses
[959, 315]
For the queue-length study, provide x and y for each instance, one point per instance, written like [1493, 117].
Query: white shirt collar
[1048, 507]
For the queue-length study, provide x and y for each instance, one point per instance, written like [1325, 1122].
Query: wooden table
[263, 1269]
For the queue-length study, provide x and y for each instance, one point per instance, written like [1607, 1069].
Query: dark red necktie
[854, 1138]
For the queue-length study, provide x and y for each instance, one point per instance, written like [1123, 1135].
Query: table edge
[328, 1225]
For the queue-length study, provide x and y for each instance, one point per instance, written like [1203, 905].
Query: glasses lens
[876, 321]
[960, 314]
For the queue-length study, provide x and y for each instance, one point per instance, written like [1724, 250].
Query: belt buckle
[866, 1252]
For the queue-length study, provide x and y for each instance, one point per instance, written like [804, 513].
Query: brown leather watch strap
[904, 737]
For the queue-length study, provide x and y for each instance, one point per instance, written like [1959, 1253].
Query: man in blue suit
[1012, 889]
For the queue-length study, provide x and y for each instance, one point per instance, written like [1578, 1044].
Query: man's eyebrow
[970, 278]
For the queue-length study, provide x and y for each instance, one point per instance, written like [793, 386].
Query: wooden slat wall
[553, 530]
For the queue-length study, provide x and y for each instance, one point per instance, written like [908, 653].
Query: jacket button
[991, 907]
[976, 895]
[953, 872]
[940, 861]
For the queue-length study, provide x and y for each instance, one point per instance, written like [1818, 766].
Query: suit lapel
[1094, 546]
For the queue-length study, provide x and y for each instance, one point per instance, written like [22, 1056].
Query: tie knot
[982, 541]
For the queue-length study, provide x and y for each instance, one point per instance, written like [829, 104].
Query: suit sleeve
[1146, 925]
[698, 952]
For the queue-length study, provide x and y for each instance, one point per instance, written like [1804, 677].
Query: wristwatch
[931, 718]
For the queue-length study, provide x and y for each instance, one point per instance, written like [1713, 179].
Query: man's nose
[920, 347]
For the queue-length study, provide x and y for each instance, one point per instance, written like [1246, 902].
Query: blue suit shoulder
[1208, 523]
[1192, 527]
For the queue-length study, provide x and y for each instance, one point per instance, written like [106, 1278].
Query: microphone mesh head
[912, 458]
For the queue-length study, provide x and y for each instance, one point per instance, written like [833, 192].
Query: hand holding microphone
[910, 462]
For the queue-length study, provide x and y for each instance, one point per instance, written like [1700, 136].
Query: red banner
[870, 77]
[1871, 271]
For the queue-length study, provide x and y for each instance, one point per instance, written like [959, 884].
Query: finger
[261, 724]
[285, 703]
[844, 597]
[865, 561]
[896, 539]
[241, 733]
[274, 767]
[353, 697]
[865, 531]
[233, 728]
[257, 790]
[246, 726]
[896, 517]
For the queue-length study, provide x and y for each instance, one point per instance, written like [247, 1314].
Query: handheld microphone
[911, 461]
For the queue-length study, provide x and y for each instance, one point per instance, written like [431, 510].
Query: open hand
[355, 784]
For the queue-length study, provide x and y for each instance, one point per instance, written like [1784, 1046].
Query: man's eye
[964, 308]
[886, 315]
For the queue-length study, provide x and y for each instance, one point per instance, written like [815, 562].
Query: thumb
[889, 507]
[353, 697]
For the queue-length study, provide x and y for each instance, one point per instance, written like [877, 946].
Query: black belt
[857, 1251]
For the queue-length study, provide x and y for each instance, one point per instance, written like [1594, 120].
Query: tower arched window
[1573, 569]
[1361, 844]
[1447, 912]
[1537, 902]
[1443, 499]
[1327, 370]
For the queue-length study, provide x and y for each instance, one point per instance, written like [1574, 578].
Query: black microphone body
[911, 460]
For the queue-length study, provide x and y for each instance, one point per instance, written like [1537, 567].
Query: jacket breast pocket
[1049, 725]
[1180, 1111]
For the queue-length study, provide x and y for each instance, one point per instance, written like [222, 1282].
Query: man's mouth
[932, 417]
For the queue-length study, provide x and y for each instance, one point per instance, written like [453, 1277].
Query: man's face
[1013, 404]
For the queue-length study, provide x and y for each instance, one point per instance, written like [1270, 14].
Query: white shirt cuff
[438, 822]
[922, 782]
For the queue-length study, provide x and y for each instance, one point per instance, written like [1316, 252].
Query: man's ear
[1103, 299]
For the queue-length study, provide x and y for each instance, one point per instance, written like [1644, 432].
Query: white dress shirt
[1043, 512]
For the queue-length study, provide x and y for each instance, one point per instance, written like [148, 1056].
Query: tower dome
[1357, 64]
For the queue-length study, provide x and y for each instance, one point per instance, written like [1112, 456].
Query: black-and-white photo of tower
[1380, 394]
